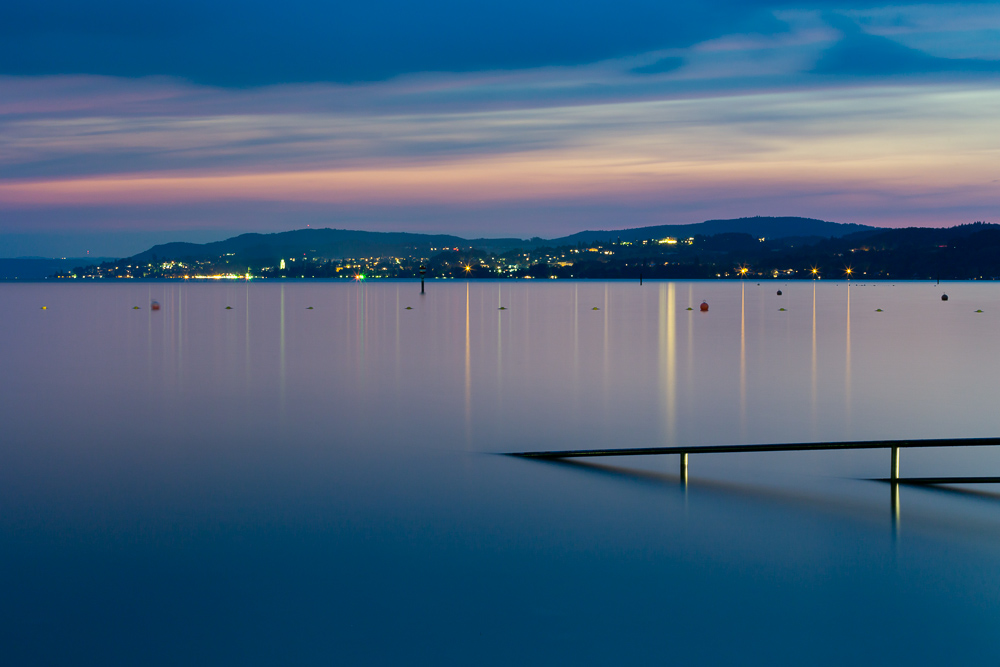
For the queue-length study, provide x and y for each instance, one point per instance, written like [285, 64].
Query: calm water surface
[274, 484]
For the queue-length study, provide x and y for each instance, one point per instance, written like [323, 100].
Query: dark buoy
[502, 308]
[309, 308]
[878, 310]
[779, 292]
[689, 308]
[704, 306]
[979, 311]
[409, 308]
[229, 307]
[944, 297]
[155, 305]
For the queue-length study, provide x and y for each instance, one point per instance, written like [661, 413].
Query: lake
[310, 473]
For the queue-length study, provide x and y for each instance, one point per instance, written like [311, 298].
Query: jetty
[893, 445]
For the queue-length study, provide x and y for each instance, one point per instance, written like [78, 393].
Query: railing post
[894, 472]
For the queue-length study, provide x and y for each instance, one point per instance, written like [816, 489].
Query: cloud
[861, 54]
[678, 155]
[797, 111]
[253, 42]
[661, 66]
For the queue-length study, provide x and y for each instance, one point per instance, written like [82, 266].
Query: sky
[124, 125]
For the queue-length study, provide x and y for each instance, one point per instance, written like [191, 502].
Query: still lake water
[272, 484]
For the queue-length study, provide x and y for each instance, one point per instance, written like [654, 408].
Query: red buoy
[704, 307]
[154, 306]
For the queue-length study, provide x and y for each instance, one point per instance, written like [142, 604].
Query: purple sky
[112, 139]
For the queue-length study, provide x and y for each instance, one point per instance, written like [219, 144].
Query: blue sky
[123, 125]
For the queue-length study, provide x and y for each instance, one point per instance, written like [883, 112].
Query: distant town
[970, 252]
[751, 248]
[444, 262]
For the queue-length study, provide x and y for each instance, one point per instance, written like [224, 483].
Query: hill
[758, 227]
[258, 249]
[326, 243]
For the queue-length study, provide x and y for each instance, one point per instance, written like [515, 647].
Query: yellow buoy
[135, 307]
[781, 309]
[45, 307]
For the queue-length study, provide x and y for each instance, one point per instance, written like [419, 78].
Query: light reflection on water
[286, 484]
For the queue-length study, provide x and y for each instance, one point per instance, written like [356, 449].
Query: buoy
[503, 307]
[979, 311]
[229, 307]
[944, 297]
[704, 307]
[689, 308]
[45, 307]
[878, 310]
[595, 308]
[309, 308]
[781, 309]
[135, 307]
[779, 292]
[154, 306]
[409, 307]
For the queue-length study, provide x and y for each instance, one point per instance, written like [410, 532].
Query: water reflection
[576, 341]
[847, 361]
[334, 476]
[468, 373]
[667, 482]
[282, 386]
[690, 335]
[499, 373]
[606, 377]
[814, 403]
[743, 362]
[894, 508]
[246, 352]
[668, 357]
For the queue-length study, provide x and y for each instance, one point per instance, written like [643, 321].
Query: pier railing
[893, 445]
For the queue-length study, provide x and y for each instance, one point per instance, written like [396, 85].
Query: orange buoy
[154, 306]
[704, 306]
